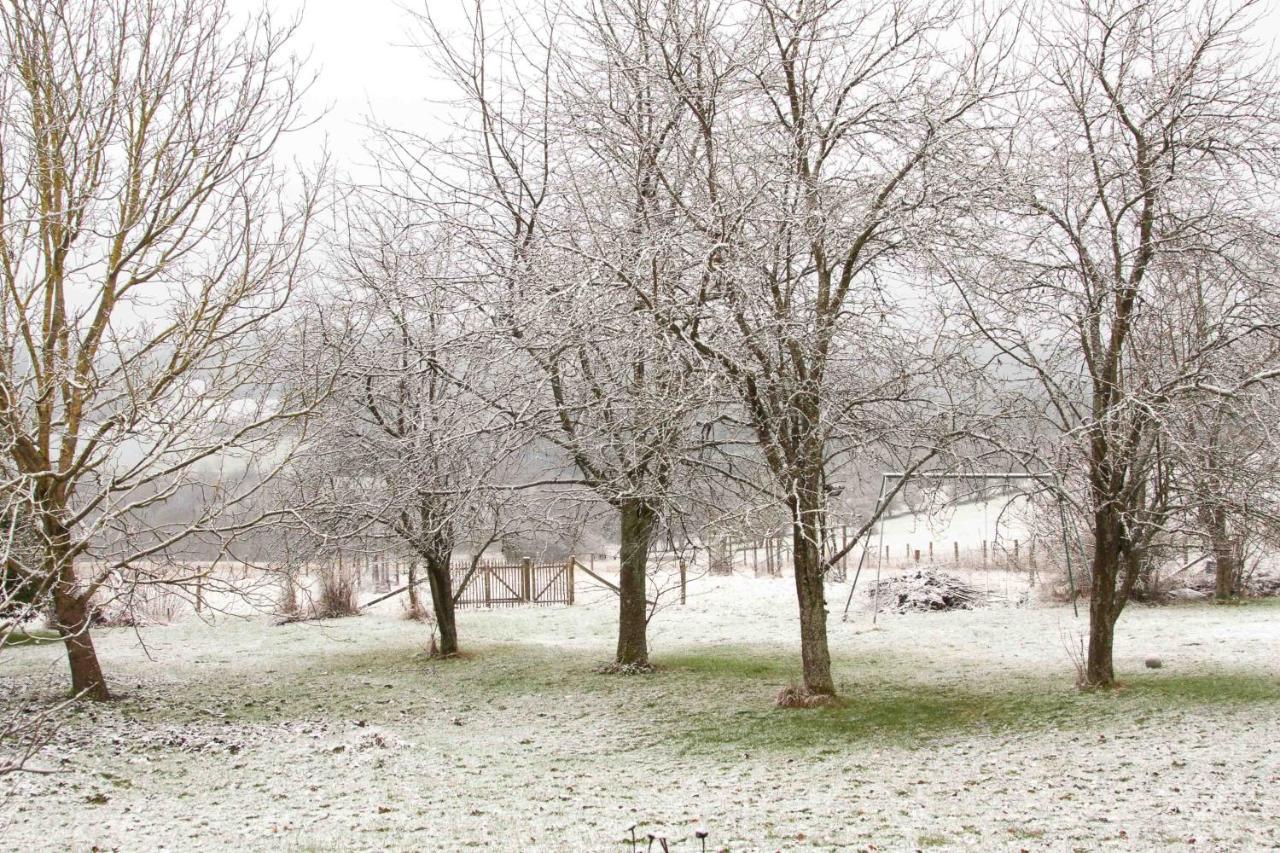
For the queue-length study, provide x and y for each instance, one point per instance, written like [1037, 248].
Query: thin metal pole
[854, 585]
[875, 613]
[858, 573]
[1066, 547]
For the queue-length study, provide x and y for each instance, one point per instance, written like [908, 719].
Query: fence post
[572, 560]
[526, 579]
[199, 592]
[931, 551]
[956, 547]
[917, 556]
[984, 552]
[684, 580]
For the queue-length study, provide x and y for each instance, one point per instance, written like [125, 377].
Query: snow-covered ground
[970, 533]
[999, 522]
[959, 730]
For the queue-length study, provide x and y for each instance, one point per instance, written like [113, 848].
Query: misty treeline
[688, 263]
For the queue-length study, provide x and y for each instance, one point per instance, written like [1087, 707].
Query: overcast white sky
[363, 52]
[367, 65]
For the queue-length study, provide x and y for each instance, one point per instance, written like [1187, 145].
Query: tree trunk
[1103, 609]
[1224, 587]
[720, 557]
[638, 524]
[1226, 569]
[71, 611]
[439, 577]
[807, 557]
[415, 603]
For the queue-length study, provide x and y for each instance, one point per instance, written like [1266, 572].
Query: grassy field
[957, 730]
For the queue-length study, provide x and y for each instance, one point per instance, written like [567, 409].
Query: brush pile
[1258, 583]
[923, 591]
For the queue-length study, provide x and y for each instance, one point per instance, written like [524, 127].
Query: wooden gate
[511, 584]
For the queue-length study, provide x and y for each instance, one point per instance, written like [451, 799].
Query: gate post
[526, 579]
[684, 580]
[569, 570]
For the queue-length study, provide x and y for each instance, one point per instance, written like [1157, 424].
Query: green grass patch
[376, 684]
[34, 637]
[894, 713]
[902, 701]
[1174, 690]
[717, 699]
[735, 662]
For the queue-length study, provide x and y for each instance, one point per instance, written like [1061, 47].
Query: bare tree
[822, 155]
[553, 176]
[1143, 145]
[1224, 470]
[23, 600]
[407, 448]
[144, 252]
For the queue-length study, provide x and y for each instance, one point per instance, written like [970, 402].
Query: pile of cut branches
[922, 591]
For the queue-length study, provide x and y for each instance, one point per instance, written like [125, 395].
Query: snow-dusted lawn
[959, 730]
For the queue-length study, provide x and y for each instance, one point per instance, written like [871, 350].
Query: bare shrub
[337, 595]
[1073, 643]
[121, 606]
[287, 604]
[159, 605]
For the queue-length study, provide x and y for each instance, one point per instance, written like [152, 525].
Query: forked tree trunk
[815, 655]
[638, 522]
[71, 611]
[439, 577]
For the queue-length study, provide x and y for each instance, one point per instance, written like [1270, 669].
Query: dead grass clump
[413, 611]
[794, 696]
[287, 604]
[615, 668]
[337, 595]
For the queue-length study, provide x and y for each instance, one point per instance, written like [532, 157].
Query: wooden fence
[771, 557]
[511, 584]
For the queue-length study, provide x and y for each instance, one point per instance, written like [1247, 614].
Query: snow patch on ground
[962, 731]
